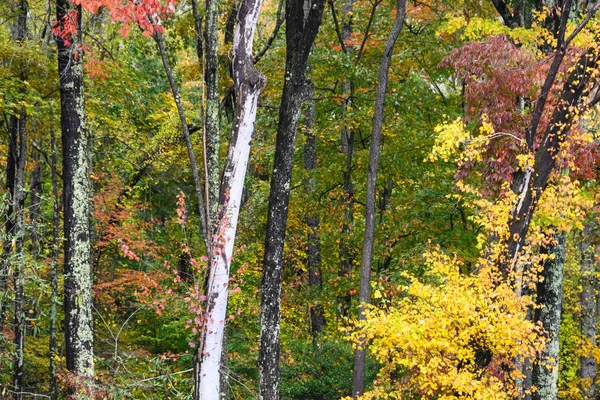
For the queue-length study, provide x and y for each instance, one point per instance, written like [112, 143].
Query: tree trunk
[347, 140]
[588, 309]
[303, 19]
[211, 119]
[54, 269]
[248, 83]
[77, 254]
[549, 300]
[364, 296]
[204, 230]
[35, 204]
[315, 277]
[16, 237]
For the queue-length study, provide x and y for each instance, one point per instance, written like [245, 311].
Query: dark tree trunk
[17, 237]
[17, 159]
[78, 263]
[364, 297]
[54, 269]
[549, 300]
[588, 309]
[347, 141]
[315, 277]
[303, 19]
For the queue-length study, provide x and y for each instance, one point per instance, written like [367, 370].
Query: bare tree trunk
[18, 156]
[35, 204]
[248, 82]
[17, 238]
[549, 298]
[54, 269]
[204, 230]
[364, 296]
[303, 19]
[347, 140]
[315, 277]
[79, 335]
[588, 309]
[211, 119]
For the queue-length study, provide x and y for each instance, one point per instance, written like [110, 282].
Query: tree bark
[248, 82]
[588, 309]
[77, 252]
[549, 300]
[54, 269]
[364, 296]
[315, 277]
[211, 119]
[35, 204]
[16, 235]
[303, 19]
[347, 141]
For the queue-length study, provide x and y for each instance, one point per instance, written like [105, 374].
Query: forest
[299, 199]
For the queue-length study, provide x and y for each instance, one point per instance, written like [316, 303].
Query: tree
[248, 82]
[303, 19]
[78, 328]
[364, 297]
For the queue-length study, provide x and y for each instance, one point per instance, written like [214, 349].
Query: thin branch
[278, 23]
[367, 30]
[337, 25]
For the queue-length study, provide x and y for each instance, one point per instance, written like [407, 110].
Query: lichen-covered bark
[248, 82]
[549, 301]
[77, 260]
[54, 270]
[589, 316]
[303, 19]
[364, 296]
[211, 119]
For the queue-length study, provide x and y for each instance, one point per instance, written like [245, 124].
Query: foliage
[450, 335]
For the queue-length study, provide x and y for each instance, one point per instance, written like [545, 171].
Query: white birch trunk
[248, 84]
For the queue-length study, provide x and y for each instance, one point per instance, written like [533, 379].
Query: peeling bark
[303, 19]
[364, 296]
[248, 82]
[78, 263]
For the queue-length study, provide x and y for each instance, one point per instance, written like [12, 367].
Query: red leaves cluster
[66, 27]
[502, 81]
[144, 13]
